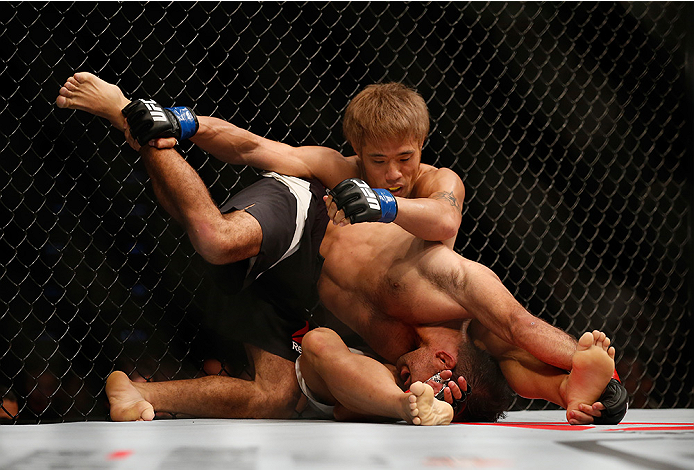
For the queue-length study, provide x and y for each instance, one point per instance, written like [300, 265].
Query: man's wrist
[389, 206]
[187, 121]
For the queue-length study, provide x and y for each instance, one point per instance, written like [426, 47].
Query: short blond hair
[386, 111]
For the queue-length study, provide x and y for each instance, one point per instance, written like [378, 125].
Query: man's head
[491, 396]
[387, 125]
[422, 363]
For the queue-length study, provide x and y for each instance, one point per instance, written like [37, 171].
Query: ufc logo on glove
[361, 203]
[369, 194]
[155, 110]
[149, 120]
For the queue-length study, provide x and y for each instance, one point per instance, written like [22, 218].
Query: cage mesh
[569, 124]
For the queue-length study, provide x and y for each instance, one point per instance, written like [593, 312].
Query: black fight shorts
[266, 301]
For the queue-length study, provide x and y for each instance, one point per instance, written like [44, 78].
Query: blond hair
[384, 112]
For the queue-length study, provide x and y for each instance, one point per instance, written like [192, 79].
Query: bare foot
[127, 403]
[87, 92]
[427, 410]
[592, 368]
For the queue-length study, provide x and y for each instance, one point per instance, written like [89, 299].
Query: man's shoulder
[432, 180]
[330, 166]
[430, 171]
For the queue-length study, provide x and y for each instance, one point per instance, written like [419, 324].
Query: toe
[417, 388]
[585, 341]
[148, 414]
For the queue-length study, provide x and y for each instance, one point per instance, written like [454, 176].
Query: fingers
[462, 384]
[446, 374]
[163, 143]
[586, 413]
[167, 143]
[594, 410]
[131, 140]
[454, 390]
[337, 216]
[578, 417]
[448, 395]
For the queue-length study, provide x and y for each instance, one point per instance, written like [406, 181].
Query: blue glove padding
[148, 120]
[187, 119]
[363, 204]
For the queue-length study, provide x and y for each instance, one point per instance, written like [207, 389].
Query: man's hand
[612, 405]
[360, 203]
[453, 393]
[148, 120]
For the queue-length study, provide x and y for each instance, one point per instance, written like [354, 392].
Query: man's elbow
[450, 231]
[448, 227]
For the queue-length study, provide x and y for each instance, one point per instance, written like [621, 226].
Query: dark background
[569, 123]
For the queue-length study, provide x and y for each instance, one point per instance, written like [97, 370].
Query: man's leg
[363, 385]
[220, 239]
[89, 93]
[273, 393]
[591, 370]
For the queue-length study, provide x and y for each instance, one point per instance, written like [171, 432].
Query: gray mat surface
[647, 439]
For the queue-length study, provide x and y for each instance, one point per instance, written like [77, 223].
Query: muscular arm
[237, 146]
[482, 295]
[526, 375]
[434, 213]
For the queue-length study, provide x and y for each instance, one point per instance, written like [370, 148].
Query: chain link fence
[570, 124]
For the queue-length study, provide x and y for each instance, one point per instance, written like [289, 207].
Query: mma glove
[458, 403]
[616, 401]
[361, 203]
[148, 120]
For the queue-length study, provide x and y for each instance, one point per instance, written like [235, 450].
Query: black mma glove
[363, 204]
[148, 120]
[458, 403]
[616, 401]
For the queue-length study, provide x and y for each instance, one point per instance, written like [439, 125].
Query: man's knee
[319, 343]
[230, 238]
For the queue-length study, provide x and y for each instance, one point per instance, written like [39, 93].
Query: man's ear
[448, 360]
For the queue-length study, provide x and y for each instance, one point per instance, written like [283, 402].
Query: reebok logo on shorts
[297, 337]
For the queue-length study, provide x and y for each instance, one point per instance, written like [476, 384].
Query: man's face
[418, 365]
[391, 165]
